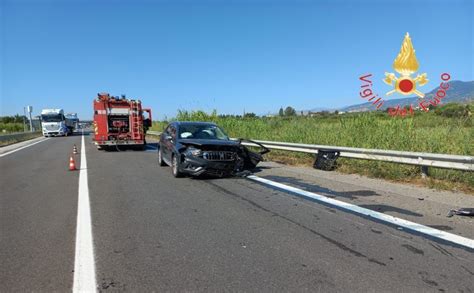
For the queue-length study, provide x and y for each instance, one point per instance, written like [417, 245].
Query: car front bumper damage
[197, 166]
[243, 161]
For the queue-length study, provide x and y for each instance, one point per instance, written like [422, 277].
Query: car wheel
[160, 158]
[175, 167]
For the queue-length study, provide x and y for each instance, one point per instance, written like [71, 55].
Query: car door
[171, 141]
[164, 143]
[167, 142]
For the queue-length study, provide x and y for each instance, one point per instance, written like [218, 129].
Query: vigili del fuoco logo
[405, 64]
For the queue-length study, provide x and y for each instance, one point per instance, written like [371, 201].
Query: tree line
[289, 111]
[13, 119]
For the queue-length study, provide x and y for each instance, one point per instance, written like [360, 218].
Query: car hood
[208, 142]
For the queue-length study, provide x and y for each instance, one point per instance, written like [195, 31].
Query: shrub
[453, 110]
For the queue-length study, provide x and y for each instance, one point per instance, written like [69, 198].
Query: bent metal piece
[250, 158]
[264, 149]
[462, 212]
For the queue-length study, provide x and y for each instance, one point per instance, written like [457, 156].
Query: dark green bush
[454, 110]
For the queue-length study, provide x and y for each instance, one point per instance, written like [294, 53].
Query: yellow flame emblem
[406, 64]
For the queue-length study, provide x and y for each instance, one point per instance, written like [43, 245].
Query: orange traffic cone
[74, 150]
[72, 164]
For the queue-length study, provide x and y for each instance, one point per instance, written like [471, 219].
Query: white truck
[53, 122]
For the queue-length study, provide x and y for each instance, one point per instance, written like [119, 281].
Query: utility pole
[24, 117]
[30, 109]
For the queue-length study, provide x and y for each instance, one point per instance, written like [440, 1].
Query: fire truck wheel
[160, 158]
[175, 167]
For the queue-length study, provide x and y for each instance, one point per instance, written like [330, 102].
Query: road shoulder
[418, 204]
[14, 146]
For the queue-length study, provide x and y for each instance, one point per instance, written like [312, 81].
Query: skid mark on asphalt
[274, 214]
[400, 223]
[23, 147]
[84, 266]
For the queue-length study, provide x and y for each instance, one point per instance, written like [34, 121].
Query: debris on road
[461, 212]
[326, 160]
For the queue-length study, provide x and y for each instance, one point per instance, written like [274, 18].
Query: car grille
[52, 127]
[219, 156]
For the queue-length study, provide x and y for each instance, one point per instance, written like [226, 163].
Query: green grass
[424, 132]
[10, 127]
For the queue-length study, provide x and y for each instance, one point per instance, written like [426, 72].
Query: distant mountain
[318, 109]
[458, 92]
[305, 112]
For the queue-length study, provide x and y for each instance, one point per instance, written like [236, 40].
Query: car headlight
[193, 152]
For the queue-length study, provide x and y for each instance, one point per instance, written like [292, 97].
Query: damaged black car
[203, 148]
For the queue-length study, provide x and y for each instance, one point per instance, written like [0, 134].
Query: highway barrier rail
[456, 162]
[18, 136]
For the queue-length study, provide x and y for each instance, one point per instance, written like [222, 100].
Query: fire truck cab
[119, 121]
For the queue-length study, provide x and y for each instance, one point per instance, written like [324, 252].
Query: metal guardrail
[457, 162]
[17, 136]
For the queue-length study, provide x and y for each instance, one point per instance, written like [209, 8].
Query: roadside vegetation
[11, 127]
[9, 124]
[446, 130]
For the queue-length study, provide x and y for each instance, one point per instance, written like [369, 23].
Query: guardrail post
[424, 172]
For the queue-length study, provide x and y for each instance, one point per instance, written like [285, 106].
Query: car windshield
[52, 118]
[202, 131]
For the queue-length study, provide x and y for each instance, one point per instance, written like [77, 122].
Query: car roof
[193, 123]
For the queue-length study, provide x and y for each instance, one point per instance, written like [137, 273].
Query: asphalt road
[38, 209]
[152, 232]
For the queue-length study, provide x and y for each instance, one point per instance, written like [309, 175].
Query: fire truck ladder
[135, 120]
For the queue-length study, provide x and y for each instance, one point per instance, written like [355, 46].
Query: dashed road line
[84, 266]
[425, 230]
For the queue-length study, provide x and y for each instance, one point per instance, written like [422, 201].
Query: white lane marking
[463, 241]
[23, 147]
[84, 266]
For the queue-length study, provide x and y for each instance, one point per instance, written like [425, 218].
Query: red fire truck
[119, 121]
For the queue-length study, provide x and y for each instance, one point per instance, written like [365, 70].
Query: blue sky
[226, 55]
